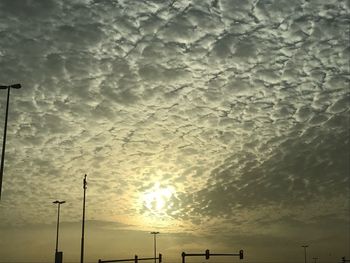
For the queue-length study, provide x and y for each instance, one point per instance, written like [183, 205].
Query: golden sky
[222, 124]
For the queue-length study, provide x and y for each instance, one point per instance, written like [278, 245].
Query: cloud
[241, 107]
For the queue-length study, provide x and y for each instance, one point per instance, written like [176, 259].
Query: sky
[222, 124]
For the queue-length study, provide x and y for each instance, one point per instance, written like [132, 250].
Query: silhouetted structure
[14, 86]
[207, 254]
[135, 259]
[305, 246]
[155, 233]
[83, 222]
[58, 254]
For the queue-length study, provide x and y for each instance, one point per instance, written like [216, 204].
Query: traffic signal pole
[136, 259]
[207, 254]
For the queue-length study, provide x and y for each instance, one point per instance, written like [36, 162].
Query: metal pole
[155, 248]
[15, 86]
[305, 246]
[58, 223]
[59, 203]
[4, 140]
[83, 223]
[155, 245]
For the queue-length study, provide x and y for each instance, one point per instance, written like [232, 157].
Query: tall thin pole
[305, 246]
[58, 224]
[4, 140]
[14, 86]
[155, 248]
[155, 245]
[83, 223]
[58, 220]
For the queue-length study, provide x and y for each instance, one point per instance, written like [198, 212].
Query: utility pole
[305, 246]
[83, 222]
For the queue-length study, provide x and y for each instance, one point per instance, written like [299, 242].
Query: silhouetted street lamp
[155, 244]
[59, 203]
[58, 256]
[315, 259]
[14, 86]
[305, 246]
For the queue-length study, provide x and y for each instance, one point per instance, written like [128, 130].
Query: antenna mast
[83, 223]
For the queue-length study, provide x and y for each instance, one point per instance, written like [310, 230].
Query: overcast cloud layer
[235, 112]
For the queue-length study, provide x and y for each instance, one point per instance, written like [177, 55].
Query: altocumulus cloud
[242, 107]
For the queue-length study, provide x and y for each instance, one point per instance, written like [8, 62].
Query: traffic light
[207, 254]
[160, 258]
[241, 254]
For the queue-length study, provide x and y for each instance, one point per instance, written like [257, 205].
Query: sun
[156, 198]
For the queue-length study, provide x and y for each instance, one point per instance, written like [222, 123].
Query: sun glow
[156, 198]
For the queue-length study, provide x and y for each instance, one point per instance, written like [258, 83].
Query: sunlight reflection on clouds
[243, 105]
[156, 198]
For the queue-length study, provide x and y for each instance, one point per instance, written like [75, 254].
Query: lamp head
[58, 202]
[15, 86]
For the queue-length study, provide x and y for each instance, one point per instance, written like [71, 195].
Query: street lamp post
[14, 86]
[155, 244]
[58, 256]
[305, 246]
